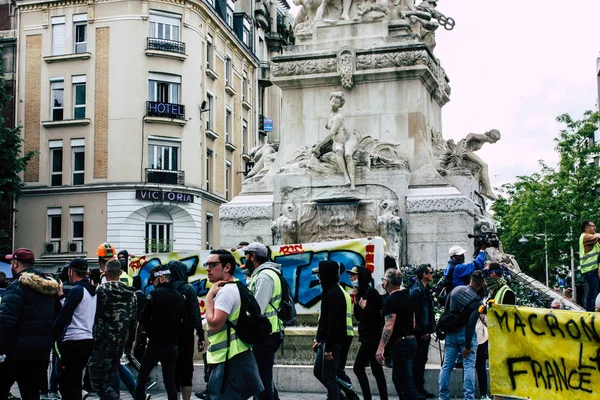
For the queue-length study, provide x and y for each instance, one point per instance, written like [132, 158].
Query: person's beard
[249, 265]
[13, 270]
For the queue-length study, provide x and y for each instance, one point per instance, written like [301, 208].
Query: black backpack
[252, 327]
[451, 321]
[287, 308]
[444, 287]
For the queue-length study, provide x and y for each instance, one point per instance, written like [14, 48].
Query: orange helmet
[106, 250]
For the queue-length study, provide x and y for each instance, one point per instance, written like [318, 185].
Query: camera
[490, 239]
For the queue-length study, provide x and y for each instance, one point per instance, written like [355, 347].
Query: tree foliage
[553, 201]
[12, 159]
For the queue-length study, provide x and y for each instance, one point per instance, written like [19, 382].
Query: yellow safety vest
[588, 261]
[349, 328]
[124, 277]
[217, 350]
[499, 297]
[274, 302]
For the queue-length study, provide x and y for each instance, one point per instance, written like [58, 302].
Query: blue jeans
[127, 378]
[592, 281]
[455, 343]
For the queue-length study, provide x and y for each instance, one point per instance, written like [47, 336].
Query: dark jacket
[164, 315]
[332, 322]
[29, 306]
[180, 283]
[116, 306]
[467, 299]
[421, 296]
[370, 319]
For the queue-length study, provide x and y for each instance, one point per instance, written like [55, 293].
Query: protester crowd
[94, 330]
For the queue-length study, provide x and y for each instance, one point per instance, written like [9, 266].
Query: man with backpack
[184, 369]
[462, 310]
[233, 370]
[265, 285]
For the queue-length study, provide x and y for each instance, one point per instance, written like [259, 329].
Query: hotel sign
[159, 195]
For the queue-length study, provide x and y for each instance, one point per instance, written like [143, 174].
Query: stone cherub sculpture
[327, 3]
[344, 143]
[473, 142]
[305, 18]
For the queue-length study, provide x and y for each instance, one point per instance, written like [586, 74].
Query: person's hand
[362, 303]
[215, 288]
[201, 344]
[484, 246]
[466, 352]
[426, 336]
[60, 289]
[329, 356]
[315, 345]
[379, 356]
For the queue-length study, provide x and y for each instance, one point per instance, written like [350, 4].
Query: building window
[209, 51]
[58, 36]
[209, 169]
[261, 49]
[244, 79]
[76, 243]
[227, 180]
[79, 91]
[228, 80]
[246, 36]
[78, 149]
[58, 97]
[209, 107]
[229, 13]
[163, 88]
[54, 230]
[56, 161]
[163, 155]
[80, 30]
[245, 148]
[209, 231]
[159, 232]
[164, 25]
[228, 130]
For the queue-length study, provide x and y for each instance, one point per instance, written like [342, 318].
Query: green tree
[553, 201]
[12, 159]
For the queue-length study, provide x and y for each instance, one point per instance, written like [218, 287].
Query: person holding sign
[465, 302]
[589, 250]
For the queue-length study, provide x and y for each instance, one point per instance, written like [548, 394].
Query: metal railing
[166, 176]
[171, 46]
[166, 110]
[159, 245]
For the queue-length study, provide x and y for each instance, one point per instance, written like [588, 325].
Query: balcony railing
[159, 245]
[165, 110]
[171, 46]
[261, 122]
[168, 177]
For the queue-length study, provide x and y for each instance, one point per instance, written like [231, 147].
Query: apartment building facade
[141, 112]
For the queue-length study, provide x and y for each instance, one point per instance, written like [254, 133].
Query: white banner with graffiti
[297, 262]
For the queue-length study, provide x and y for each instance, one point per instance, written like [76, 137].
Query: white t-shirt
[228, 299]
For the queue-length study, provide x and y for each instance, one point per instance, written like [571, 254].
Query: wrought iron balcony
[261, 122]
[165, 110]
[171, 46]
[159, 245]
[166, 176]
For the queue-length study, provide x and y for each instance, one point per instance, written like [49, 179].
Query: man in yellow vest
[589, 249]
[265, 285]
[105, 253]
[233, 370]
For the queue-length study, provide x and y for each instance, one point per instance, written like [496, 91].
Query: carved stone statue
[332, 3]
[474, 142]
[263, 158]
[283, 228]
[373, 10]
[390, 226]
[344, 143]
[306, 15]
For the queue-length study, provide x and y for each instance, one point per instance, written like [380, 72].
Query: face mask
[355, 283]
[123, 263]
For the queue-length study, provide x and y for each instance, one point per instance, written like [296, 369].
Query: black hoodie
[332, 322]
[180, 283]
[370, 319]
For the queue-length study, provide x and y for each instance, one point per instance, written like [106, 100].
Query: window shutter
[58, 39]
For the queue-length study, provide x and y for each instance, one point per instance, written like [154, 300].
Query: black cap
[159, 271]
[78, 264]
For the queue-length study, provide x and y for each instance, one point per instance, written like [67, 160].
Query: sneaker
[150, 385]
[148, 396]
[11, 396]
[84, 394]
[53, 396]
[44, 397]
[426, 394]
[202, 395]
[485, 397]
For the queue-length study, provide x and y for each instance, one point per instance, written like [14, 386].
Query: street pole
[573, 273]
[546, 251]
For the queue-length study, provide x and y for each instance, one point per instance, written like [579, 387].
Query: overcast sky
[515, 66]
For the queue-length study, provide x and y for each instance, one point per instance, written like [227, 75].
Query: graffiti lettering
[291, 249]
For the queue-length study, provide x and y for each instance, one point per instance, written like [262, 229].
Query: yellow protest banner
[544, 354]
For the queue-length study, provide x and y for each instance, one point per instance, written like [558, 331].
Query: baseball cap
[353, 270]
[326, 264]
[23, 255]
[106, 250]
[456, 251]
[78, 264]
[159, 271]
[257, 248]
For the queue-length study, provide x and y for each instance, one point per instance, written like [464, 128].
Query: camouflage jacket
[115, 316]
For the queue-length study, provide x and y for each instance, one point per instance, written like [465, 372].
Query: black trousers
[419, 363]
[264, 353]
[365, 356]
[480, 368]
[74, 356]
[27, 375]
[325, 371]
[341, 368]
[166, 354]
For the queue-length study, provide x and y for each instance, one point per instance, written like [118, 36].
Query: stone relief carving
[366, 219]
[304, 67]
[283, 228]
[390, 226]
[439, 204]
[462, 155]
[337, 221]
[372, 10]
[390, 59]
[246, 212]
[309, 225]
[305, 18]
[346, 68]
[331, 8]
[263, 157]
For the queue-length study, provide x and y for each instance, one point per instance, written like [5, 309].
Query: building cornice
[118, 187]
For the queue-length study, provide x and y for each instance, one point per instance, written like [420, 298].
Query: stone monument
[361, 151]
